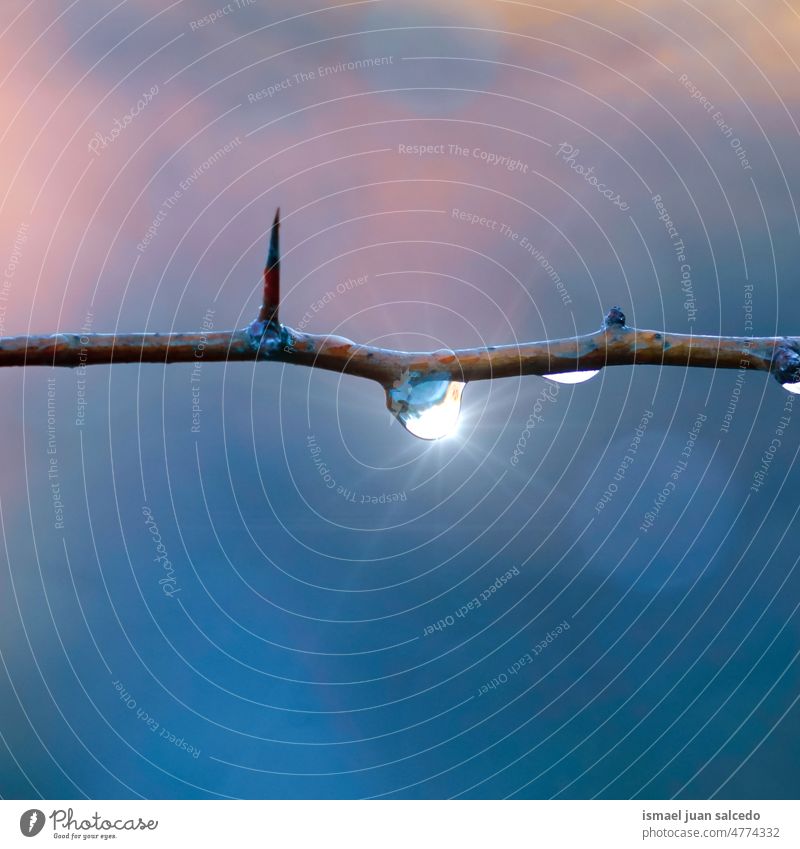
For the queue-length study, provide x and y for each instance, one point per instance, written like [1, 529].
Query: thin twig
[614, 344]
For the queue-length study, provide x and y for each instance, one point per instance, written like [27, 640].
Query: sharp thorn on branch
[268, 318]
[272, 276]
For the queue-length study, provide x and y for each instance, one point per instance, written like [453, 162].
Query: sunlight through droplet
[428, 409]
[571, 376]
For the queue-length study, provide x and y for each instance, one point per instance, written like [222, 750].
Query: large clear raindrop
[428, 409]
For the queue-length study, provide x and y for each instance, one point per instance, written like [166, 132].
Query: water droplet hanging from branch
[429, 407]
[572, 376]
[423, 389]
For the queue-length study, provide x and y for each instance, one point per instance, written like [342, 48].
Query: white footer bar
[402, 824]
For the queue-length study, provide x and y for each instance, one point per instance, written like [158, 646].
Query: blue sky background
[296, 655]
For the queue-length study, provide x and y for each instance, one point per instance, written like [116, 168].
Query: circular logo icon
[31, 822]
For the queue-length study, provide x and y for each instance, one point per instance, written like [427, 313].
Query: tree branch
[614, 344]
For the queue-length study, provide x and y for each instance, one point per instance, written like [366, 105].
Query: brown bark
[614, 344]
